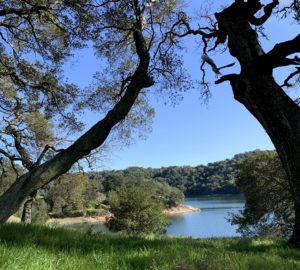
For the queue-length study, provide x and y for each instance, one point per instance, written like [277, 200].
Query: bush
[96, 212]
[39, 214]
[269, 205]
[135, 211]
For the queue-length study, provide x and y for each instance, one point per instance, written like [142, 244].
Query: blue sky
[190, 133]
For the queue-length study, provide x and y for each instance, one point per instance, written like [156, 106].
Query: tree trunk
[257, 90]
[295, 238]
[27, 209]
[39, 176]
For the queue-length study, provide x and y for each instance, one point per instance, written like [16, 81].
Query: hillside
[44, 248]
[214, 178]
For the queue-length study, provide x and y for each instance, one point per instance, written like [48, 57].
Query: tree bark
[39, 176]
[27, 209]
[256, 88]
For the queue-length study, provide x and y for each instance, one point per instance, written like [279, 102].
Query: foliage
[36, 101]
[77, 194]
[67, 194]
[34, 95]
[269, 204]
[214, 178]
[39, 107]
[8, 175]
[135, 211]
[39, 247]
[39, 211]
[170, 196]
[94, 195]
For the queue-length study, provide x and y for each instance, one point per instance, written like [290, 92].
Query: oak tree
[129, 35]
[237, 26]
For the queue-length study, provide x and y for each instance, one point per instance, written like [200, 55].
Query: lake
[211, 221]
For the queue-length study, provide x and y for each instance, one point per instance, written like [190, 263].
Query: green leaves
[135, 211]
[40, 127]
[269, 204]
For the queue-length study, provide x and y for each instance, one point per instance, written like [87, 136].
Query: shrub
[135, 211]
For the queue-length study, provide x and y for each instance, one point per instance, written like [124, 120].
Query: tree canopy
[269, 204]
[127, 28]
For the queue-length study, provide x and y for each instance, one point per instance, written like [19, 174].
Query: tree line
[77, 194]
[214, 178]
[137, 196]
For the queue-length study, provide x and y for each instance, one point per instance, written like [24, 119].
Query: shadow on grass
[70, 240]
[138, 252]
[275, 246]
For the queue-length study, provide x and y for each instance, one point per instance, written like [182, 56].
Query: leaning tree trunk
[257, 90]
[39, 176]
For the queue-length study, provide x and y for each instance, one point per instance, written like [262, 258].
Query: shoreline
[178, 210]
[75, 220]
[181, 209]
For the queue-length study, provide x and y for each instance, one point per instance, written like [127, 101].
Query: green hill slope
[214, 178]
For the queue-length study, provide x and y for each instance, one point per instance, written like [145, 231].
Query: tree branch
[230, 77]
[22, 11]
[268, 12]
[286, 82]
[9, 156]
[277, 56]
[42, 155]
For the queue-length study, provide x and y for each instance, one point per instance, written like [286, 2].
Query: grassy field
[37, 247]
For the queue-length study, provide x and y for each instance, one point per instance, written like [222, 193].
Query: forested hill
[213, 178]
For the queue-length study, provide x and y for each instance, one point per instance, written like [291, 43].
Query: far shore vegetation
[136, 200]
[86, 195]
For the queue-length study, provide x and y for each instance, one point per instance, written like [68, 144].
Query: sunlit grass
[37, 247]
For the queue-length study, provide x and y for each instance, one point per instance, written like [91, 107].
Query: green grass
[37, 247]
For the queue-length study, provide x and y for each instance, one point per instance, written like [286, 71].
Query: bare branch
[277, 56]
[268, 12]
[230, 77]
[42, 155]
[14, 168]
[286, 82]
[189, 31]
[9, 156]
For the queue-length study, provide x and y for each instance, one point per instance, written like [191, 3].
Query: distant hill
[214, 178]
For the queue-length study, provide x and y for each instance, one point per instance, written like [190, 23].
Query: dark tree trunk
[257, 90]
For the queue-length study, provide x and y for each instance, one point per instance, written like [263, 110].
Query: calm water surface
[211, 221]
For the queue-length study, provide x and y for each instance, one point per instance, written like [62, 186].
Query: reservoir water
[211, 221]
